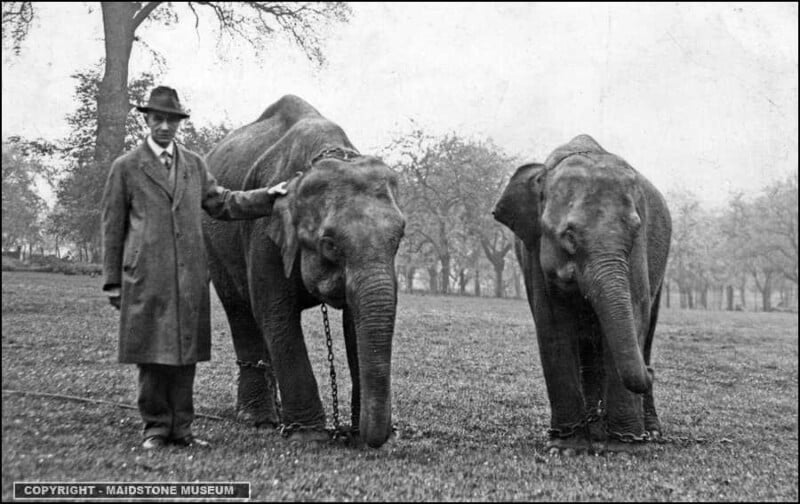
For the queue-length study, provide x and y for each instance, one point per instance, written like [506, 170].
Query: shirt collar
[157, 149]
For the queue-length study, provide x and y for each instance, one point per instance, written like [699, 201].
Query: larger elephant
[332, 239]
[593, 238]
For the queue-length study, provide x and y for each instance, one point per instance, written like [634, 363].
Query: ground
[469, 404]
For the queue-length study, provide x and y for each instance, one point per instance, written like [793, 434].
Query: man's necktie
[166, 159]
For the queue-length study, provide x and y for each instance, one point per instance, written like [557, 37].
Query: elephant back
[581, 144]
[281, 142]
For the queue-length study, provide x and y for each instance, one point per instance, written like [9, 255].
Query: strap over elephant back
[340, 153]
[581, 144]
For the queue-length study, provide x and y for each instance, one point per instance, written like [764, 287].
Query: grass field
[469, 404]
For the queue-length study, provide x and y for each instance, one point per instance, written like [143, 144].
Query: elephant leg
[256, 394]
[624, 414]
[559, 349]
[592, 378]
[301, 408]
[352, 362]
[651, 422]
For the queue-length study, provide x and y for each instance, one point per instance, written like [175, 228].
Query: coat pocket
[131, 257]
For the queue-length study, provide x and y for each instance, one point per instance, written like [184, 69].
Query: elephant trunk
[609, 294]
[372, 296]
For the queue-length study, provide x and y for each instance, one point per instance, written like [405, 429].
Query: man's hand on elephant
[278, 189]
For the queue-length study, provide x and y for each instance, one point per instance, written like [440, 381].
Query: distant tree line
[719, 258]
[740, 257]
[743, 256]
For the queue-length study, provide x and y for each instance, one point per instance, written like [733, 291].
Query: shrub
[52, 264]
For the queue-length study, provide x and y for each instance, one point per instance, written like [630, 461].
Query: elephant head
[340, 220]
[580, 214]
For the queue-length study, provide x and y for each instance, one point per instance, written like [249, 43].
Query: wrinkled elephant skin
[592, 240]
[332, 239]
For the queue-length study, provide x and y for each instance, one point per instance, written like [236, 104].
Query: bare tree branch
[17, 20]
[144, 12]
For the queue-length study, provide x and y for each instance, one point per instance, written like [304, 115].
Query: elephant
[331, 239]
[592, 239]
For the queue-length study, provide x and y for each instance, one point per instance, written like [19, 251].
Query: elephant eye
[329, 250]
[569, 240]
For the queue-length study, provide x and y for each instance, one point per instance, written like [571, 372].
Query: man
[155, 265]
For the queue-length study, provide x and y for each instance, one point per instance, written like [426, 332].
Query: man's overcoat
[154, 250]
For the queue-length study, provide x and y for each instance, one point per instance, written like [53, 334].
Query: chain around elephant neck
[334, 388]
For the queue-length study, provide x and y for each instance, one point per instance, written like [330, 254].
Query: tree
[201, 140]
[254, 22]
[765, 236]
[449, 185]
[685, 210]
[776, 209]
[427, 201]
[80, 191]
[22, 205]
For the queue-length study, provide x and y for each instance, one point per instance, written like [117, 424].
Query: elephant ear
[282, 229]
[519, 206]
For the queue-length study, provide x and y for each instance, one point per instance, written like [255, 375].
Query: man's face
[163, 127]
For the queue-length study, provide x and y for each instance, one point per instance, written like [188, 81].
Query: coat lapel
[152, 167]
[181, 175]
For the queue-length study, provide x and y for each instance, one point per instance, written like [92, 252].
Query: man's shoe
[154, 443]
[191, 441]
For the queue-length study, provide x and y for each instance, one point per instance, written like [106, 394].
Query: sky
[695, 96]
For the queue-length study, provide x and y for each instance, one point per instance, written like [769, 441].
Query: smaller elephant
[593, 237]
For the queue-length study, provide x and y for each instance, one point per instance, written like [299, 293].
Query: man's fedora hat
[164, 99]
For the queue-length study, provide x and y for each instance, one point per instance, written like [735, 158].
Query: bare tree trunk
[666, 286]
[498, 278]
[112, 100]
[433, 280]
[729, 292]
[766, 293]
[462, 281]
[743, 293]
[410, 272]
[113, 104]
[444, 282]
[477, 282]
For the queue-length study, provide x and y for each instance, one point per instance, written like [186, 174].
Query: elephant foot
[571, 446]
[597, 431]
[652, 425]
[617, 446]
[353, 439]
[623, 443]
[304, 435]
[258, 417]
[257, 398]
